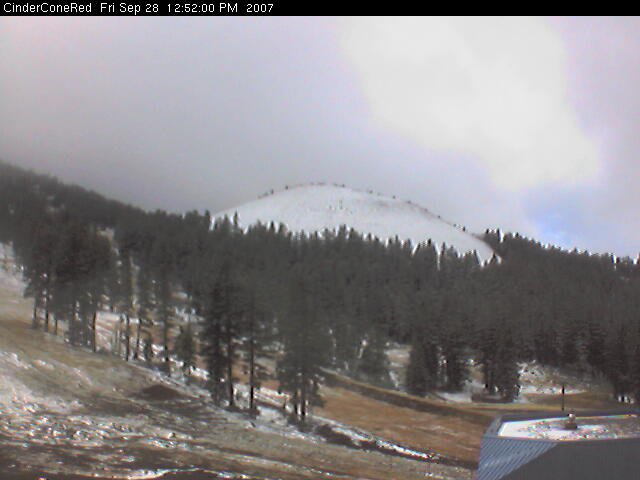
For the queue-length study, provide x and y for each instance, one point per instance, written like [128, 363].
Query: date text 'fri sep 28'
[184, 8]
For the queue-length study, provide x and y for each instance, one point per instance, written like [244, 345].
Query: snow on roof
[593, 427]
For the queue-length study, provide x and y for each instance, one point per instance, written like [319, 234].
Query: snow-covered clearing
[535, 379]
[541, 379]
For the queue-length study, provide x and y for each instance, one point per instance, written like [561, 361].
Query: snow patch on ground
[13, 359]
[539, 379]
[457, 397]
[10, 273]
[398, 356]
[535, 379]
[469, 388]
[19, 402]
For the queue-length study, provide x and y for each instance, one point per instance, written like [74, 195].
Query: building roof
[589, 427]
[531, 446]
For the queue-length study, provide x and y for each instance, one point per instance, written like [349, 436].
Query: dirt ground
[447, 435]
[70, 414]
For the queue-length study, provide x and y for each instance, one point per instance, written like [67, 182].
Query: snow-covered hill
[312, 208]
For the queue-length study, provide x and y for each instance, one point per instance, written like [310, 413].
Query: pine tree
[423, 368]
[373, 366]
[147, 349]
[232, 320]
[617, 362]
[185, 349]
[215, 309]
[487, 347]
[144, 288]
[506, 371]
[164, 314]
[98, 284]
[125, 298]
[595, 347]
[306, 341]
[635, 371]
[256, 330]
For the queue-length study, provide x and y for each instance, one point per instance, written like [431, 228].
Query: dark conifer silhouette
[332, 300]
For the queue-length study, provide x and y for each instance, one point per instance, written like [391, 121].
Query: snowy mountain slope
[312, 208]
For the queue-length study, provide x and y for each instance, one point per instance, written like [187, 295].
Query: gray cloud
[492, 88]
[604, 72]
[207, 113]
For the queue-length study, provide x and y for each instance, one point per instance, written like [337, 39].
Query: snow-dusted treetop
[314, 208]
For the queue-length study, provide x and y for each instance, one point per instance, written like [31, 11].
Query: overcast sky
[530, 125]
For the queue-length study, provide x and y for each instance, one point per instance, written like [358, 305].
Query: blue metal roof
[501, 456]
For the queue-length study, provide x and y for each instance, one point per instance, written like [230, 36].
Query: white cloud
[491, 89]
